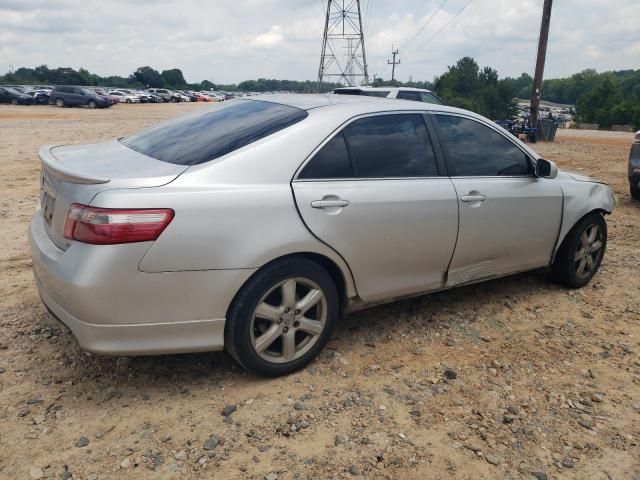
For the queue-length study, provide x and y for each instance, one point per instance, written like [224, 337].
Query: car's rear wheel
[59, 102]
[634, 190]
[91, 104]
[282, 317]
[128, 100]
[14, 101]
[580, 255]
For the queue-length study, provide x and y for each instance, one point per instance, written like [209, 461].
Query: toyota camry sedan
[254, 225]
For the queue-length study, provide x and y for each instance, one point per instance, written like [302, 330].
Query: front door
[375, 194]
[509, 219]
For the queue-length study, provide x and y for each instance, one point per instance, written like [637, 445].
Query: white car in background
[212, 96]
[124, 97]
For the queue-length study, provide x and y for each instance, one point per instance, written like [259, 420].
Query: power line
[444, 27]
[433, 15]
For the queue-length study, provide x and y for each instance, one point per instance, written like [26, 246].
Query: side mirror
[546, 169]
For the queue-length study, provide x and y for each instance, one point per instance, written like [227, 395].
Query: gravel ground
[511, 379]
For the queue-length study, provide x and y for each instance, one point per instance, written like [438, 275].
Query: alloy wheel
[589, 251]
[288, 320]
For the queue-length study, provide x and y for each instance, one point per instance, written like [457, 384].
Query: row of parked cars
[101, 97]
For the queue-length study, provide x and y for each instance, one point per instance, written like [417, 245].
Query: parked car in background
[72, 96]
[165, 94]
[249, 226]
[634, 167]
[212, 96]
[124, 97]
[15, 97]
[102, 92]
[400, 93]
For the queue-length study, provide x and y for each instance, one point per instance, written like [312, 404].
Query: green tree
[148, 77]
[173, 78]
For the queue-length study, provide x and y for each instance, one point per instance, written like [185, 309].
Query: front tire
[634, 190]
[59, 103]
[14, 101]
[282, 317]
[581, 253]
[91, 104]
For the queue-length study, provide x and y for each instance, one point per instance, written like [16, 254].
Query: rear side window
[391, 146]
[208, 135]
[477, 150]
[405, 95]
[376, 147]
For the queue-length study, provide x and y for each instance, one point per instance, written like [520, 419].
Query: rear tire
[634, 190]
[282, 317]
[581, 253]
[59, 102]
[91, 104]
[129, 100]
[14, 101]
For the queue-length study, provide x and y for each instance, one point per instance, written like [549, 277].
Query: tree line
[606, 98]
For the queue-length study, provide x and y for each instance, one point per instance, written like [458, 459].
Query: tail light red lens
[109, 226]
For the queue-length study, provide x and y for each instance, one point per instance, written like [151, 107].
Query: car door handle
[473, 198]
[329, 203]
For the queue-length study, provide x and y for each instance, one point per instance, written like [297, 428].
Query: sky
[227, 41]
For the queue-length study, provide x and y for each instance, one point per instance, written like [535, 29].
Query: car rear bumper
[114, 309]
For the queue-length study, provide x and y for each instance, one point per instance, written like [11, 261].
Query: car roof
[360, 103]
[385, 89]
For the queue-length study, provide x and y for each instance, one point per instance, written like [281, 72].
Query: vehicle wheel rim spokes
[589, 251]
[288, 320]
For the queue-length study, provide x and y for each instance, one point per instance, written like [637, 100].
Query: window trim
[435, 145]
[451, 166]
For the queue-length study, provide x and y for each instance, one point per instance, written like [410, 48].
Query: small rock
[492, 459]
[586, 422]
[126, 463]
[299, 406]
[82, 442]
[181, 455]
[34, 401]
[35, 472]
[568, 463]
[38, 419]
[539, 475]
[271, 476]
[228, 410]
[339, 440]
[354, 471]
[597, 397]
[165, 439]
[450, 374]
[212, 442]
[2, 370]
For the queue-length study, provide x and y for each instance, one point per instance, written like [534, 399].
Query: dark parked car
[634, 167]
[15, 97]
[69, 96]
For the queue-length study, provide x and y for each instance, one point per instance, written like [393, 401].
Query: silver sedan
[255, 225]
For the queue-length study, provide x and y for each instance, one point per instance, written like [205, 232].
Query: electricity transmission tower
[394, 63]
[343, 56]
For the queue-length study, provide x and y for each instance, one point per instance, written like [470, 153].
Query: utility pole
[393, 63]
[343, 28]
[542, 55]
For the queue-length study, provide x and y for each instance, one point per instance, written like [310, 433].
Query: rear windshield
[207, 135]
[366, 93]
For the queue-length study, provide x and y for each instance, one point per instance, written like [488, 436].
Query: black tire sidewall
[564, 266]
[634, 191]
[237, 334]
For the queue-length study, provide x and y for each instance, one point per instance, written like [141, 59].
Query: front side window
[381, 146]
[477, 150]
[205, 136]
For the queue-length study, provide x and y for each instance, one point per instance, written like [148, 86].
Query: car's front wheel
[59, 102]
[634, 190]
[580, 255]
[282, 317]
[91, 104]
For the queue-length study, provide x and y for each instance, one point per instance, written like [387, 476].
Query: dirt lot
[515, 378]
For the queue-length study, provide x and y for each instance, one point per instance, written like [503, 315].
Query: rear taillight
[108, 226]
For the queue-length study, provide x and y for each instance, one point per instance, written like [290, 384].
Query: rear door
[509, 219]
[375, 192]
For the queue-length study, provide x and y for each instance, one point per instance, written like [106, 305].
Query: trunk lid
[77, 173]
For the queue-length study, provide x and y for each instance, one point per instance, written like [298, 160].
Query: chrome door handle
[473, 198]
[329, 203]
